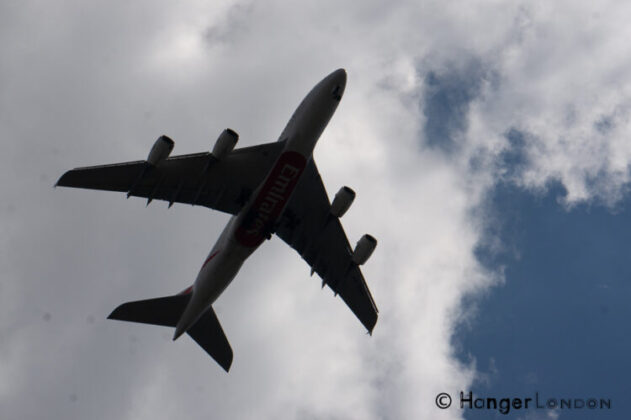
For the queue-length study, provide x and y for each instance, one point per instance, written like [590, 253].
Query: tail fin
[207, 332]
[166, 311]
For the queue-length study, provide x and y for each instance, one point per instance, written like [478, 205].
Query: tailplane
[166, 311]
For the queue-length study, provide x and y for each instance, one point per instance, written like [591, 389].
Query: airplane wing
[197, 179]
[308, 227]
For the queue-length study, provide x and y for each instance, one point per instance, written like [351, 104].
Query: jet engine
[160, 150]
[342, 201]
[225, 143]
[364, 248]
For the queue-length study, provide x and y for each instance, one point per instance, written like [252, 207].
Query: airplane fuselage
[246, 230]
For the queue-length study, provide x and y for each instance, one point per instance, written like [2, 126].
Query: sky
[487, 145]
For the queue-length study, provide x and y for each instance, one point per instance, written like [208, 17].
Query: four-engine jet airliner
[272, 188]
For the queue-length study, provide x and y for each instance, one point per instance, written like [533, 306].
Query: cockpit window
[337, 93]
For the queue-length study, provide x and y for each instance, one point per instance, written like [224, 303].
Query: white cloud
[543, 415]
[561, 81]
[95, 84]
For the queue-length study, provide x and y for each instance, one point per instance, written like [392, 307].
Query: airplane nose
[339, 76]
[338, 81]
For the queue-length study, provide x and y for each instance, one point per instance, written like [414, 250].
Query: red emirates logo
[271, 199]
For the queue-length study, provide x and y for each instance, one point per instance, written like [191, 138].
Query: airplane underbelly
[217, 275]
[257, 222]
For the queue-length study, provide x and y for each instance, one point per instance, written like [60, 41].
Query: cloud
[546, 415]
[441, 101]
[560, 87]
[446, 98]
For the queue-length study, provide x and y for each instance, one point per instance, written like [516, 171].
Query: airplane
[272, 188]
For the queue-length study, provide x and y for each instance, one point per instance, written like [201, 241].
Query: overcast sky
[486, 141]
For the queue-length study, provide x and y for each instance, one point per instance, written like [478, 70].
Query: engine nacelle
[342, 201]
[160, 150]
[364, 248]
[225, 143]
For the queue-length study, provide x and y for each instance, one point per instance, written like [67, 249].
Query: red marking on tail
[210, 258]
[186, 291]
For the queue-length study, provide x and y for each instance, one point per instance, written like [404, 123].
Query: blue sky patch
[560, 323]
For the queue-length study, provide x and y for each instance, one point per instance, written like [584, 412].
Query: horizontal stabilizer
[165, 311]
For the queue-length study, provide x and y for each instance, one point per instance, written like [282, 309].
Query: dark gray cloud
[447, 94]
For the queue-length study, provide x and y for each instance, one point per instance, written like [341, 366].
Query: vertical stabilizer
[207, 332]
